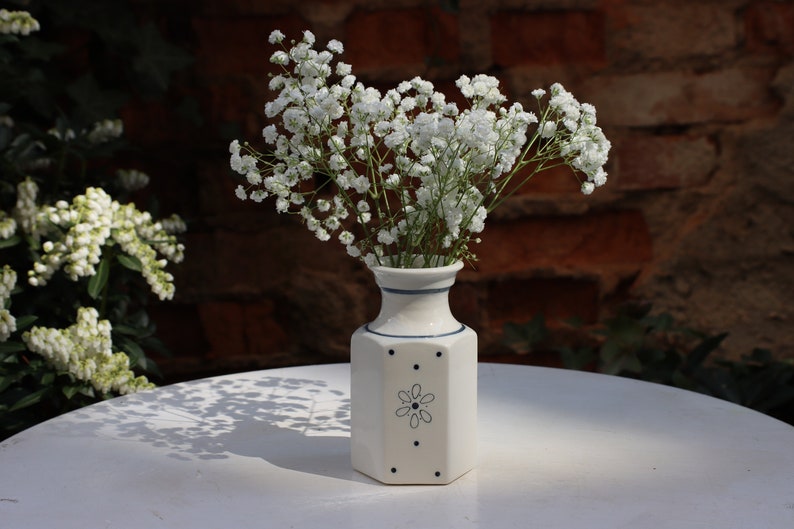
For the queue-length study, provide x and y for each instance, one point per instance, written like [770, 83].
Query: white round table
[558, 450]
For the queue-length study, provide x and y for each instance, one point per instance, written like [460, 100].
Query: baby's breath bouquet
[405, 178]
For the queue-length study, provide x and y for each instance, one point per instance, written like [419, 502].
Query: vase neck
[415, 302]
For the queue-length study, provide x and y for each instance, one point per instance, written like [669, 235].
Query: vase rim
[416, 279]
[456, 266]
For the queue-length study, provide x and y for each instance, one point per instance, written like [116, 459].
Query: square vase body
[414, 406]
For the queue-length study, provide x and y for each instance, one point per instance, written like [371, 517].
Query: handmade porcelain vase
[414, 382]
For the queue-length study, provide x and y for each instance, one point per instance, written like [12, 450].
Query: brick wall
[697, 97]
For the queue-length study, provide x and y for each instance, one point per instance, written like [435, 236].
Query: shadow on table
[296, 424]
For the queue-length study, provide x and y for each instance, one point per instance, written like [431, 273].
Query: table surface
[557, 449]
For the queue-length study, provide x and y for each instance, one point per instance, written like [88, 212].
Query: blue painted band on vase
[458, 331]
[415, 292]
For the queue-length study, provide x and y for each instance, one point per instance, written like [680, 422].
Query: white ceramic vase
[414, 382]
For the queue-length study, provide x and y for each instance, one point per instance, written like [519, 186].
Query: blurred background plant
[79, 253]
[640, 344]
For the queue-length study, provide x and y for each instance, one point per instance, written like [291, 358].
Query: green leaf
[703, 349]
[523, 337]
[129, 330]
[5, 383]
[11, 241]
[23, 322]
[132, 349]
[12, 347]
[148, 366]
[99, 280]
[29, 400]
[130, 262]
[78, 389]
[579, 358]
[70, 391]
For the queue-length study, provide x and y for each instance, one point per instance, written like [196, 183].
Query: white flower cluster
[8, 226]
[106, 130]
[84, 350]
[173, 224]
[30, 218]
[417, 175]
[141, 238]
[8, 324]
[584, 146]
[102, 132]
[132, 179]
[17, 22]
[77, 233]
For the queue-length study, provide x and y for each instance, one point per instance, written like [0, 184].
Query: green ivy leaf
[523, 337]
[702, 350]
[98, 280]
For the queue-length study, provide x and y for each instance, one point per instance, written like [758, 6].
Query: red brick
[177, 328]
[466, 304]
[663, 31]
[570, 242]
[395, 37]
[222, 323]
[263, 331]
[240, 327]
[146, 122]
[519, 300]
[222, 263]
[229, 46]
[247, 7]
[216, 183]
[680, 97]
[557, 179]
[769, 26]
[549, 37]
[664, 162]
[235, 100]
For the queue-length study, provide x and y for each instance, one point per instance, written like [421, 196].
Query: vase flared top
[415, 301]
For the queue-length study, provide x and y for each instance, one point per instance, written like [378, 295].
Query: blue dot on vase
[438, 354]
[416, 366]
[391, 352]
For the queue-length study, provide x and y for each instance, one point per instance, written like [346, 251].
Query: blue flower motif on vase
[414, 405]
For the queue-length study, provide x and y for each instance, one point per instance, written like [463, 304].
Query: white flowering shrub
[84, 240]
[407, 173]
[79, 260]
[85, 351]
[17, 23]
